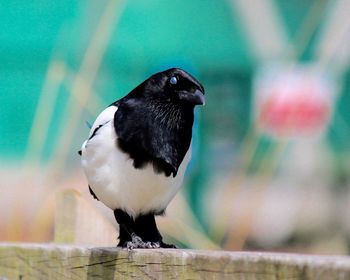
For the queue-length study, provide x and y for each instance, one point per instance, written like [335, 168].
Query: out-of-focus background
[271, 165]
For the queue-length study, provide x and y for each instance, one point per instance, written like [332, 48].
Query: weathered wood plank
[32, 261]
[78, 222]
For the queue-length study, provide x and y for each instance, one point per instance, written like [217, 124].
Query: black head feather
[154, 121]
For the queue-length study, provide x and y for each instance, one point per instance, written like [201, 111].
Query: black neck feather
[155, 131]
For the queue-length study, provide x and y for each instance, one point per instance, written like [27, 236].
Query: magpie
[137, 152]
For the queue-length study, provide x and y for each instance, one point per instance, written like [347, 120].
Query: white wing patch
[106, 116]
[103, 118]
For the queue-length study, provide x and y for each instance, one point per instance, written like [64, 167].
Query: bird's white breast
[115, 181]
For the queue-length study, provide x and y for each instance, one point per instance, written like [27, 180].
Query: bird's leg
[127, 235]
[146, 228]
[126, 226]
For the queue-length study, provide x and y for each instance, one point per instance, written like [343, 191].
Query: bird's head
[177, 86]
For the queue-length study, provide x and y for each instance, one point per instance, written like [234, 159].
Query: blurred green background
[247, 188]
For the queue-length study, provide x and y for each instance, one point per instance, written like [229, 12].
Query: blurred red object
[293, 103]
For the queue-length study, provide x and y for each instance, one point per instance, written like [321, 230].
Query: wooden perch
[30, 261]
[78, 222]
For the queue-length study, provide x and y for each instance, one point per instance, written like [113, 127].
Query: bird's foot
[164, 245]
[137, 243]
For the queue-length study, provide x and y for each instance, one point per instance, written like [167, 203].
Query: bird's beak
[196, 98]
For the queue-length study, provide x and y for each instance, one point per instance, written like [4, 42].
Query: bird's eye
[173, 80]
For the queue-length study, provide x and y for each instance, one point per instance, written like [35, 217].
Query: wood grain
[48, 261]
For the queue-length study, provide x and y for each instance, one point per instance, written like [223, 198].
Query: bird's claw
[168, 246]
[137, 243]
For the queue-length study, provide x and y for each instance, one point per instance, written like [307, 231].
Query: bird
[137, 151]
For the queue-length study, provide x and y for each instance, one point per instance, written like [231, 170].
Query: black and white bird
[137, 152]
